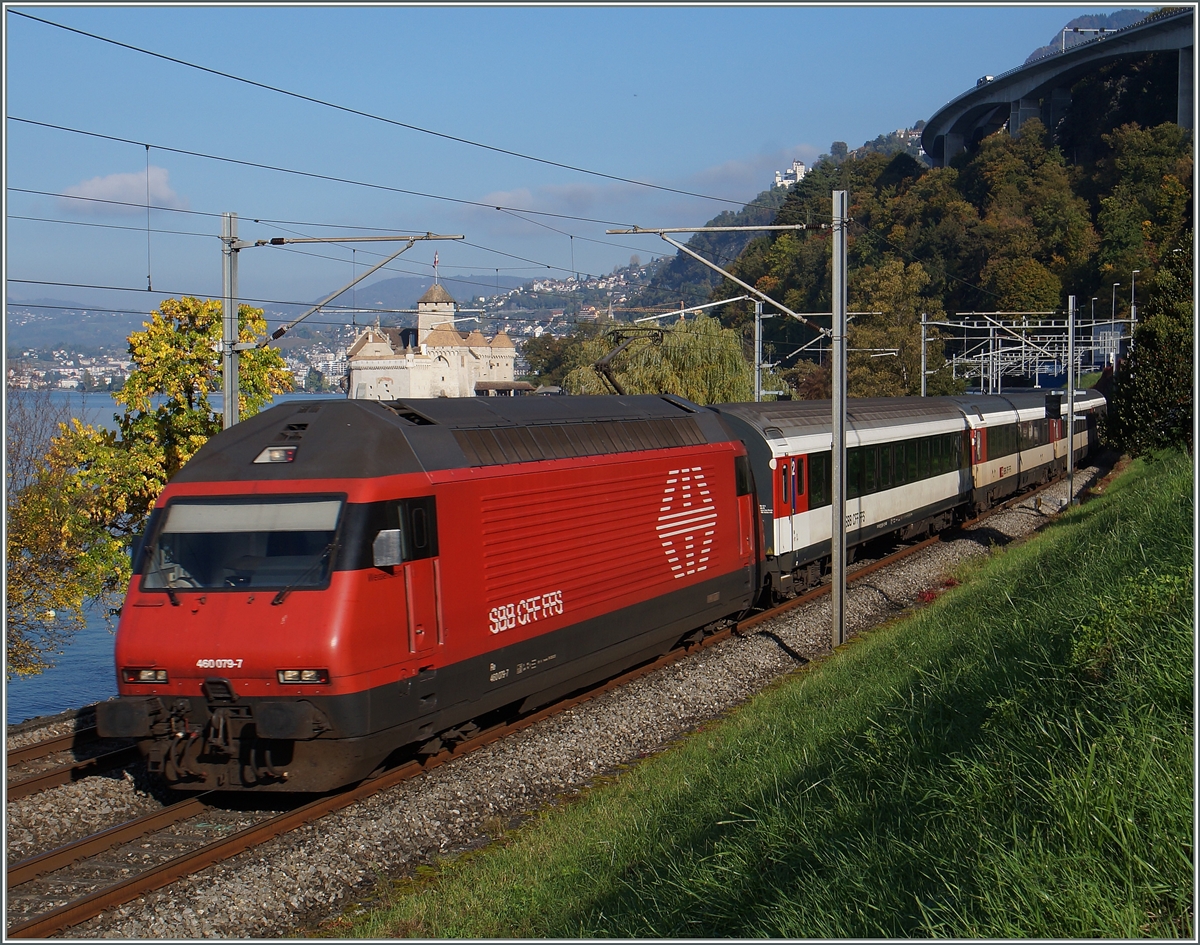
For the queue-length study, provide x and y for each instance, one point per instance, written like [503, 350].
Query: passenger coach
[912, 466]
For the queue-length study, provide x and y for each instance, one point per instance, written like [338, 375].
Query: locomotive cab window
[406, 531]
[741, 475]
[243, 543]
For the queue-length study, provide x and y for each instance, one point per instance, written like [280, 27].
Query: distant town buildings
[434, 359]
[793, 175]
[66, 370]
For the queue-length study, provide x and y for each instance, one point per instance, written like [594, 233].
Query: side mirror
[135, 553]
[386, 549]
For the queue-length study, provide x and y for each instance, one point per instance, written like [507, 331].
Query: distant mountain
[404, 291]
[681, 278]
[1092, 21]
[54, 323]
[85, 326]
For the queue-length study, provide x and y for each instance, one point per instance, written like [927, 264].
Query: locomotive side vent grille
[500, 445]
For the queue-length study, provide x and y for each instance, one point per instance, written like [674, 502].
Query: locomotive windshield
[253, 543]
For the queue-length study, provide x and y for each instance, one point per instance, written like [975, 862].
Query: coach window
[785, 473]
[870, 469]
[885, 466]
[854, 473]
[819, 475]
[798, 477]
[923, 446]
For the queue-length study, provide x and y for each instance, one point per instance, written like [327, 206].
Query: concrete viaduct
[1042, 88]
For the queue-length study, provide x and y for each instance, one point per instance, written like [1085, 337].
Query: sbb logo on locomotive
[523, 612]
[687, 521]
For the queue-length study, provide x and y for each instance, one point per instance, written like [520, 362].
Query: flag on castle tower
[435, 265]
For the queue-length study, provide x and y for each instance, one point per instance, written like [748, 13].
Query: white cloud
[751, 174]
[123, 189]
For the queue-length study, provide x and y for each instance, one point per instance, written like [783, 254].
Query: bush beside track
[1014, 760]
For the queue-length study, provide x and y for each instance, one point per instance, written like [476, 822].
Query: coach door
[791, 498]
[412, 548]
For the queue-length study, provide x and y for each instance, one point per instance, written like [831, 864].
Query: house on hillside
[793, 175]
[434, 359]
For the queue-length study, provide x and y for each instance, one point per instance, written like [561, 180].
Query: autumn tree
[71, 523]
[39, 617]
[885, 344]
[697, 359]
[552, 357]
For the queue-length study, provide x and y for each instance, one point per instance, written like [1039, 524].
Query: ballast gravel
[294, 882]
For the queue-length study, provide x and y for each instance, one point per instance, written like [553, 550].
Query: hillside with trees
[1012, 227]
[682, 278]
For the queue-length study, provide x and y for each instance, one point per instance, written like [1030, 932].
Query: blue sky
[710, 100]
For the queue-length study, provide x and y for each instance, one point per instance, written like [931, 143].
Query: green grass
[1013, 760]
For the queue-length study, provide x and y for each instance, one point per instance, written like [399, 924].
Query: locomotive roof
[367, 438]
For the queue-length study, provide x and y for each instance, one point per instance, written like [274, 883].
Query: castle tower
[435, 307]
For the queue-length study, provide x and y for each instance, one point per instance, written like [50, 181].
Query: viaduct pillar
[1186, 93]
[1020, 112]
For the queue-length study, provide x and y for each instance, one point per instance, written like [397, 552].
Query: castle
[432, 360]
[793, 175]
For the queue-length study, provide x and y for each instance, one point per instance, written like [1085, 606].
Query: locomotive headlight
[133, 675]
[277, 454]
[311, 676]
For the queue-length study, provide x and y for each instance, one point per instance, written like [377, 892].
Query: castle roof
[443, 336]
[502, 340]
[435, 294]
[476, 340]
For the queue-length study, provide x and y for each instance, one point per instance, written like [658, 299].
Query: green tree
[698, 360]
[314, 380]
[1147, 201]
[72, 521]
[1151, 406]
[552, 357]
[897, 293]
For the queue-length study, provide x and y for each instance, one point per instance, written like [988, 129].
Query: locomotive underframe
[213, 742]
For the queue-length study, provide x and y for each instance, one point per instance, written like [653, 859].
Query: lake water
[84, 673]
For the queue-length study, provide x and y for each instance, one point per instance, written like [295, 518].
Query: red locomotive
[330, 581]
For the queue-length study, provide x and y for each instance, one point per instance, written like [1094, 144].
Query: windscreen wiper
[327, 553]
[164, 572]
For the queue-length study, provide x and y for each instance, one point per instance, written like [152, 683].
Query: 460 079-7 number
[218, 664]
[526, 611]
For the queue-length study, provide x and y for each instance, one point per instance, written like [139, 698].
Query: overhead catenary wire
[498, 316]
[260, 165]
[374, 117]
[283, 223]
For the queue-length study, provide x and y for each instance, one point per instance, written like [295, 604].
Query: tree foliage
[1011, 226]
[1151, 404]
[896, 292]
[697, 359]
[551, 357]
[70, 523]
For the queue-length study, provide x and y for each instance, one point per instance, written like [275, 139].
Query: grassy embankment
[1013, 760]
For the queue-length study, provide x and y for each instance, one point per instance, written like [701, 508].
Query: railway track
[83, 879]
[63, 759]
